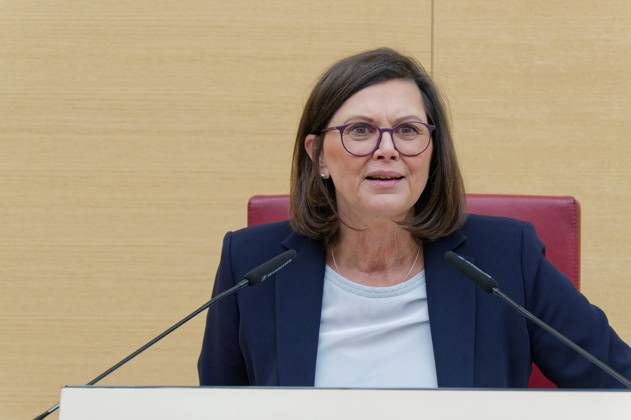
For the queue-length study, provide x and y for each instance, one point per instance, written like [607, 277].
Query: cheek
[347, 177]
[344, 168]
[420, 171]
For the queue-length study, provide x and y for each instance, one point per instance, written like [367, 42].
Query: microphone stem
[240, 285]
[243, 283]
[47, 412]
[563, 338]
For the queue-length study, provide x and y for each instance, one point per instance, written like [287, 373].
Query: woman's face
[361, 196]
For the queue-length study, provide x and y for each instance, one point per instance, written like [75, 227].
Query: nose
[385, 148]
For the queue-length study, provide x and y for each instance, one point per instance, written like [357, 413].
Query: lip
[395, 178]
[385, 174]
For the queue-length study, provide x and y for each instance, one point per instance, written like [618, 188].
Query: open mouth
[384, 178]
[384, 181]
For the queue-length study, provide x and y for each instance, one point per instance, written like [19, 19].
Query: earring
[324, 175]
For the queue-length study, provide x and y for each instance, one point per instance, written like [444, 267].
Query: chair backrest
[556, 219]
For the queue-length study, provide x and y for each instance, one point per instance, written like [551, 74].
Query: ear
[310, 143]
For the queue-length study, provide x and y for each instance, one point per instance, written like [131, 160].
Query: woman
[376, 200]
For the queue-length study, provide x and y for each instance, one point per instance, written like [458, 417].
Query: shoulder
[500, 243]
[494, 230]
[261, 234]
[256, 242]
[476, 223]
[251, 246]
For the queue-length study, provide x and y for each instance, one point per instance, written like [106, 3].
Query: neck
[381, 254]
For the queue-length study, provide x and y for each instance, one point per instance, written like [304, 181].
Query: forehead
[385, 101]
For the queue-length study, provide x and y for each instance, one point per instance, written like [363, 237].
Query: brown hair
[439, 210]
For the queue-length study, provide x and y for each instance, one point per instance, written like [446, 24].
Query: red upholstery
[556, 219]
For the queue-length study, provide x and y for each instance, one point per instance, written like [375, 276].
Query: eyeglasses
[363, 139]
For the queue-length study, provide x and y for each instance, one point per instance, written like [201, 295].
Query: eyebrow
[372, 120]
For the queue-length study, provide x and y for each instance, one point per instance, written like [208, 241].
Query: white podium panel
[197, 403]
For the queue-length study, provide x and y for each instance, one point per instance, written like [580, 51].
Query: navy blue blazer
[268, 335]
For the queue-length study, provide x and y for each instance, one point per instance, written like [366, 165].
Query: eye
[409, 129]
[359, 130]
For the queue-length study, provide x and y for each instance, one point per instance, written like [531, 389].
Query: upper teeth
[382, 177]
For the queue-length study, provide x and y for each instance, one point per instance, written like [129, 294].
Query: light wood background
[133, 132]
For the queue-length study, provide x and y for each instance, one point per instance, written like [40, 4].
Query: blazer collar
[451, 305]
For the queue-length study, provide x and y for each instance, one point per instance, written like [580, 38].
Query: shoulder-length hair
[438, 212]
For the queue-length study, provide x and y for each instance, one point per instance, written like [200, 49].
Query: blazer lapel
[298, 307]
[451, 304]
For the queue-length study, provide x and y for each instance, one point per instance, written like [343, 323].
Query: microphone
[252, 278]
[269, 267]
[487, 283]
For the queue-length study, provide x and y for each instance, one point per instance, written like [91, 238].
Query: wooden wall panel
[131, 135]
[540, 94]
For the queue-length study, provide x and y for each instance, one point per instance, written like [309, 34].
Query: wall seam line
[431, 40]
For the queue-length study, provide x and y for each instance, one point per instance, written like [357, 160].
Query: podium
[197, 403]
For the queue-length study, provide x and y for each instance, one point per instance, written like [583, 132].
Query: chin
[382, 207]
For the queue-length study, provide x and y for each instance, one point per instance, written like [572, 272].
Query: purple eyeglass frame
[382, 130]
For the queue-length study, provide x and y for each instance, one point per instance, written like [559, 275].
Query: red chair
[556, 219]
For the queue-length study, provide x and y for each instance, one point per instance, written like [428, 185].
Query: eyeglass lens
[410, 138]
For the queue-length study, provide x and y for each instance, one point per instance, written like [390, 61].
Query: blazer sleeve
[221, 361]
[552, 297]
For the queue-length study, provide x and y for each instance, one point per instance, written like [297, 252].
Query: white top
[374, 337]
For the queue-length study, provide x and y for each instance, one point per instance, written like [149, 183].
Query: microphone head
[483, 280]
[269, 267]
